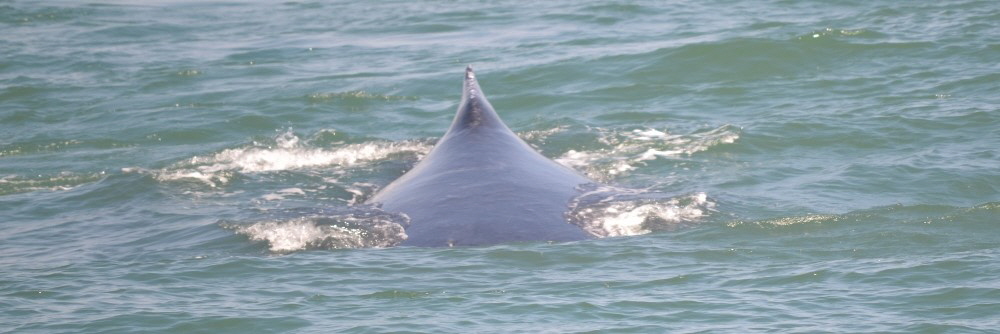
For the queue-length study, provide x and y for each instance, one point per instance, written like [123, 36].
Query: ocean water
[195, 166]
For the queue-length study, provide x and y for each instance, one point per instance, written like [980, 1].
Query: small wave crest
[356, 95]
[362, 227]
[623, 151]
[789, 221]
[834, 33]
[612, 212]
[920, 214]
[13, 184]
[287, 152]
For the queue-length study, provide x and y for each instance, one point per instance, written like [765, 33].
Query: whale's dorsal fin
[481, 184]
[474, 111]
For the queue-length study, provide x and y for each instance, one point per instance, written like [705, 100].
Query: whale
[481, 184]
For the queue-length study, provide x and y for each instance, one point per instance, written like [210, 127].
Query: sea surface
[793, 166]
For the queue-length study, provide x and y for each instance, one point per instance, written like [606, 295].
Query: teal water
[183, 166]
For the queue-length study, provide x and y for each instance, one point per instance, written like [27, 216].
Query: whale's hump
[482, 184]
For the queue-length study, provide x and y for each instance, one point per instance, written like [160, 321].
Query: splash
[287, 153]
[612, 212]
[283, 193]
[601, 211]
[624, 151]
[364, 228]
[540, 135]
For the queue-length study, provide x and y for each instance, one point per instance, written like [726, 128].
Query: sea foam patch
[364, 227]
[612, 212]
[288, 152]
[623, 151]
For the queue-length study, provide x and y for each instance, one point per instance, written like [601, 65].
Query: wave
[613, 212]
[13, 184]
[883, 217]
[623, 151]
[355, 95]
[361, 227]
[288, 152]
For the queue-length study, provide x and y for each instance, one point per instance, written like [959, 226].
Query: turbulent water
[777, 166]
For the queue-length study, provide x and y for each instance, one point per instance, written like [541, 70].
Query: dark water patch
[434, 28]
[176, 230]
[634, 116]
[577, 18]
[236, 323]
[964, 120]
[86, 192]
[14, 116]
[20, 92]
[588, 41]
[160, 80]
[753, 59]
[303, 4]
[166, 322]
[632, 92]
[768, 25]
[325, 77]
[859, 87]
[18, 14]
[45, 146]
[816, 134]
[629, 9]
[399, 294]
[979, 84]
[259, 56]
[883, 228]
[129, 32]
[253, 68]
[747, 59]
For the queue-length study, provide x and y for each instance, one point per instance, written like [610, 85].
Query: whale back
[481, 184]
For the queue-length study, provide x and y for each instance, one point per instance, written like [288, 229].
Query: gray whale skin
[481, 185]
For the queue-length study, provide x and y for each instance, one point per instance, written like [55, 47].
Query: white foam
[292, 191]
[285, 236]
[612, 218]
[272, 197]
[540, 135]
[312, 233]
[211, 178]
[288, 153]
[626, 150]
[649, 134]
[281, 194]
[285, 158]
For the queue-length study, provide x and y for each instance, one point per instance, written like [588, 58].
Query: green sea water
[798, 166]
